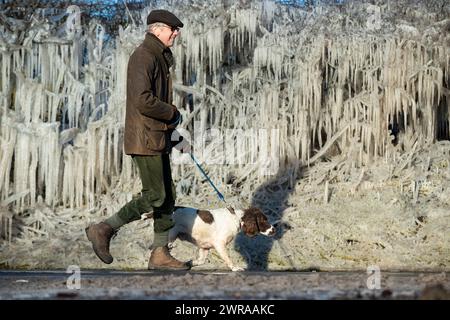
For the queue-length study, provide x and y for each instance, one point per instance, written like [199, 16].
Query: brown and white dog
[216, 228]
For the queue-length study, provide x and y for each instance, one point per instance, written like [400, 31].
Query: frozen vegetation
[334, 119]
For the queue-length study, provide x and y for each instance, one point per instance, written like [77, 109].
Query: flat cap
[164, 16]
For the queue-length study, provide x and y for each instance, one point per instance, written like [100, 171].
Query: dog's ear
[249, 223]
[250, 229]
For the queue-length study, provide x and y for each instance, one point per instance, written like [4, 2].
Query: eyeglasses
[173, 29]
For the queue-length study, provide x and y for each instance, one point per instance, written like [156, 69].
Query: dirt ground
[146, 285]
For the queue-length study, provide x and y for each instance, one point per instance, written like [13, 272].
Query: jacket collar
[152, 43]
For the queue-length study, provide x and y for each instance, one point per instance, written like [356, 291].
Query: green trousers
[158, 194]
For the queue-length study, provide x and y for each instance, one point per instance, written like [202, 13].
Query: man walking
[149, 122]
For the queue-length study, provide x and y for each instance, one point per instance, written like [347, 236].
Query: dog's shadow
[275, 192]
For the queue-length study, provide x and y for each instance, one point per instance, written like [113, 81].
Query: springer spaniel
[217, 228]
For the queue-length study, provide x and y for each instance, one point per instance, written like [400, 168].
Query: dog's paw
[236, 269]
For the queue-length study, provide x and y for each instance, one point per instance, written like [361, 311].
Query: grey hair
[153, 26]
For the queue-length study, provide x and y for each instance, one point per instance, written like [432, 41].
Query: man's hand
[182, 145]
[176, 120]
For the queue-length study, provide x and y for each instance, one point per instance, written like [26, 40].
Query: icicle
[8, 136]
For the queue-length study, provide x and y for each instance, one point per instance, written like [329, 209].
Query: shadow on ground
[272, 197]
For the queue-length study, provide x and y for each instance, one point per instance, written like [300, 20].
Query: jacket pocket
[156, 140]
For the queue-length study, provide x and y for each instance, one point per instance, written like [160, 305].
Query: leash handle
[221, 197]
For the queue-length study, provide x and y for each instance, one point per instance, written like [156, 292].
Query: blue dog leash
[207, 178]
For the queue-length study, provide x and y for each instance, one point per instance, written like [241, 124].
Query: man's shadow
[272, 198]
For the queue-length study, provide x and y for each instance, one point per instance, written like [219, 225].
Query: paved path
[112, 284]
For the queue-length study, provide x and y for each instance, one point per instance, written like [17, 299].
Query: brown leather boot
[100, 235]
[162, 260]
